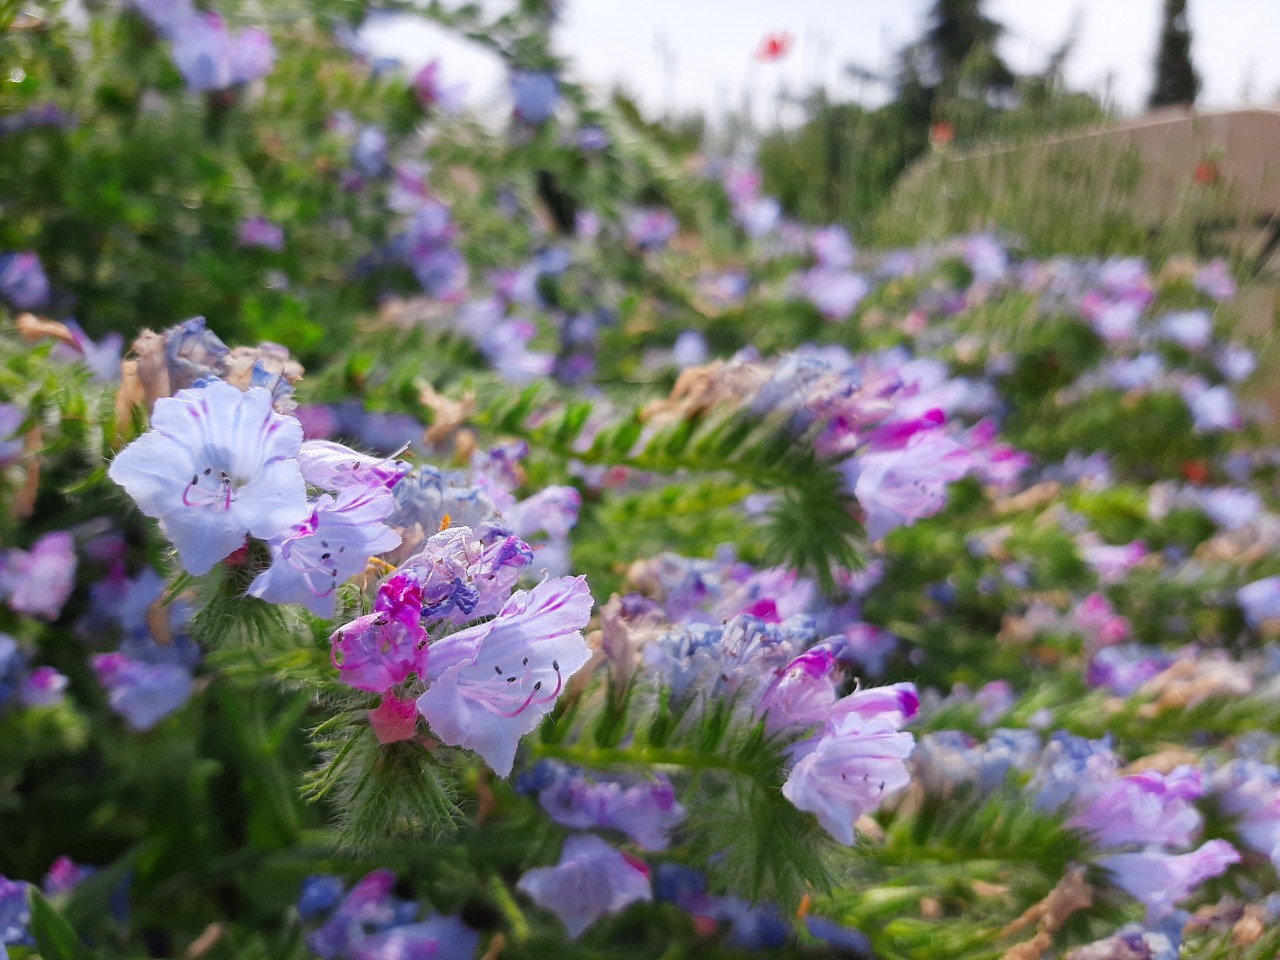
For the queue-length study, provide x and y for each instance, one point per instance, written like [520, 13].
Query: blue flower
[591, 879]
[216, 465]
[534, 95]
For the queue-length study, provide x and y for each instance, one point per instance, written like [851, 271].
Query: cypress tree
[1176, 79]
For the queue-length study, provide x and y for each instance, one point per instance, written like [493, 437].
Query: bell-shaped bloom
[1125, 668]
[646, 811]
[64, 876]
[1250, 791]
[366, 911]
[217, 464]
[848, 772]
[436, 938]
[15, 915]
[1111, 562]
[494, 682]
[836, 293]
[801, 694]
[591, 880]
[332, 545]
[1161, 881]
[321, 893]
[897, 487]
[43, 687]
[375, 652]
[534, 96]
[1096, 618]
[335, 466]
[433, 93]
[143, 693]
[1260, 600]
[1144, 808]
[260, 232]
[650, 229]
[211, 57]
[38, 581]
[22, 280]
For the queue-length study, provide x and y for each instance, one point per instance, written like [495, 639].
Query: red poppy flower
[774, 46]
[1207, 173]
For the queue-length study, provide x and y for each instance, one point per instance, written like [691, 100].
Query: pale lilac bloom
[335, 466]
[802, 693]
[216, 465]
[1213, 409]
[534, 96]
[1161, 881]
[43, 687]
[1114, 321]
[15, 915]
[651, 228]
[1191, 329]
[831, 248]
[995, 699]
[436, 938]
[331, 546]
[1125, 668]
[260, 232]
[849, 770]
[166, 16]
[143, 693]
[459, 575]
[1214, 279]
[102, 358]
[1140, 372]
[39, 581]
[690, 349]
[592, 879]
[836, 293]
[552, 510]
[645, 810]
[1072, 767]
[1237, 363]
[1144, 808]
[1260, 600]
[758, 216]
[494, 682]
[1250, 791]
[369, 152]
[22, 280]
[1232, 507]
[897, 487]
[211, 57]
[11, 418]
[1111, 563]
[986, 257]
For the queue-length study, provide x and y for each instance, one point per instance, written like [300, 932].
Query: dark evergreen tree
[1176, 79]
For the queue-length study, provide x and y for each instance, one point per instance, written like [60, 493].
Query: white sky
[697, 54]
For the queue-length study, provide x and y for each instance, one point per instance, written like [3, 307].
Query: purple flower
[13, 668]
[321, 892]
[650, 229]
[436, 938]
[1213, 409]
[534, 96]
[43, 687]
[1070, 767]
[38, 582]
[591, 880]
[1143, 808]
[11, 418]
[1111, 563]
[1214, 279]
[1191, 329]
[1161, 881]
[849, 770]
[368, 909]
[836, 293]
[369, 152]
[646, 811]
[64, 876]
[1250, 791]
[802, 693]
[335, 466]
[15, 915]
[261, 232]
[433, 93]
[1124, 669]
[22, 280]
[493, 683]
[1096, 618]
[897, 487]
[375, 652]
[332, 545]
[166, 16]
[143, 693]
[832, 248]
[211, 57]
[1260, 600]
[217, 464]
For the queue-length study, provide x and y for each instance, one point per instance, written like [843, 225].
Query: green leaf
[54, 936]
